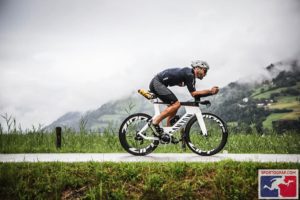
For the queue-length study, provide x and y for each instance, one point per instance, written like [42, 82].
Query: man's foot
[155, 128]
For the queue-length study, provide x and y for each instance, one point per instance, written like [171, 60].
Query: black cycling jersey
[178, 76]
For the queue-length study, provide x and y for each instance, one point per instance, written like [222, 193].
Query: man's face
[201, 72]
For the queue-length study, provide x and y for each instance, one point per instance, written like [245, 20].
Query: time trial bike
[204, 133]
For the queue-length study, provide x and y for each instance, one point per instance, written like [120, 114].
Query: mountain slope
[111, 113]
[249, 104]
[274, 98]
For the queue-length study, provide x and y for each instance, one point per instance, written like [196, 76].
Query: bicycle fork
[199, 116]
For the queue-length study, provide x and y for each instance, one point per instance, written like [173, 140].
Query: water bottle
[145, 93]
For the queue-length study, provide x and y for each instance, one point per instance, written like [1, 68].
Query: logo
[278, 184]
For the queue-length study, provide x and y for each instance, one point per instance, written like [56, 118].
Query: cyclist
[177, 77]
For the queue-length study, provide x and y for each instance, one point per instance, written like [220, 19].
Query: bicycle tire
[132, 146]
[208, 145]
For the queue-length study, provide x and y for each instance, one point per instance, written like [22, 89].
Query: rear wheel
[216, 137]
[131, 141]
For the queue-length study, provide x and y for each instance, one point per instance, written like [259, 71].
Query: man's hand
[205, 93]
[214, 90]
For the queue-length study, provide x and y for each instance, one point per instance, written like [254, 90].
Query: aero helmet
[200, 63]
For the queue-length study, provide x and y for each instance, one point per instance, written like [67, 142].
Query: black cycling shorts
[162, 91]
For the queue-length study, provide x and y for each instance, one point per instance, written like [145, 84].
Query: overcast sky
[67, 55]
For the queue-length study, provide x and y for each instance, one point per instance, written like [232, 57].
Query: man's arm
[204, 93]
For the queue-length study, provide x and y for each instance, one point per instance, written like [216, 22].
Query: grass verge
[97, 143]
[222, 180]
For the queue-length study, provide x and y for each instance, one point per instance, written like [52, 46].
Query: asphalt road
[154, 157]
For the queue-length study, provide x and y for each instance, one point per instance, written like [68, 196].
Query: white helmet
[200, 63]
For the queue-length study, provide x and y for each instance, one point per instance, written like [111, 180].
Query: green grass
[221, 180]
[109, 142]
[284, 102]
[288, 102]
[287, 99]
[288, 143]
[273, 117]
[258, 90]
[266, 95]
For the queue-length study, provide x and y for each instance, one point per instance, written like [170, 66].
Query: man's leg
[167, 96]
[168, 112]
[170, 117]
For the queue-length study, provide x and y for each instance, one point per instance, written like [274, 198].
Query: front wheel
[131, 141]
[215, 139]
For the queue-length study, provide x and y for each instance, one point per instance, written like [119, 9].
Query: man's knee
[176, 105]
